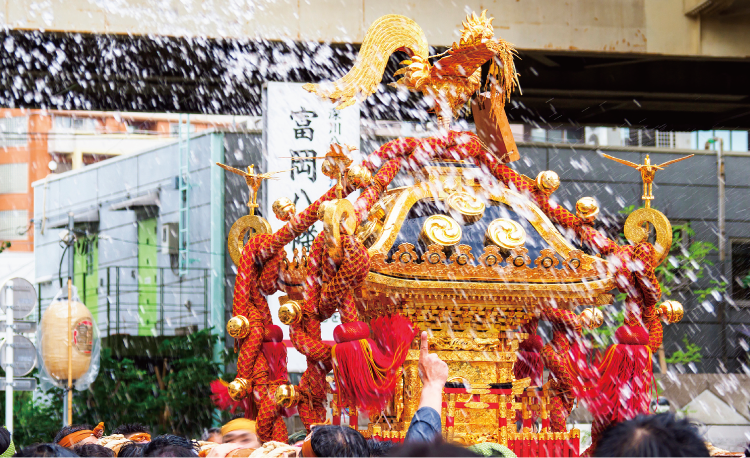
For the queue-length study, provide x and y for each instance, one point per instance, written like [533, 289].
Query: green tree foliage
[4, 246]
[172, 398]
[690, 354]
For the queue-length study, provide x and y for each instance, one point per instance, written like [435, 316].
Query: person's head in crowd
[170, 445]
[297, 438]
[436, 449]
[7, 447]
[136, 432]
[240, 431]
[92, 450]
[212, 435]
[72, 435]
[131, 450]
[332, 440]
[44, 450]
[171, 451]
[379, 448]
[492, 449]
[652, 435]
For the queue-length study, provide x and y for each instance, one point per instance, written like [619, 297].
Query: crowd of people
[653, 435]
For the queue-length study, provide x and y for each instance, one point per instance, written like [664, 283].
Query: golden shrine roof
[452, 234]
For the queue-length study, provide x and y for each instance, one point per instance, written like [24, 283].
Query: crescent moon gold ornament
[251, 225]
[505, 233]
[468, 206]
[337, 215]
[636, 231]
[442, 230]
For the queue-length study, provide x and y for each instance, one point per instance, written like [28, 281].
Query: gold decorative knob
[587, 209]
[548, 181]
[287, 396]
[238, 389]
[671, 311]
[238, 327]
[358, 176]
[290, 313]
[284, 209]
[442, 230]
[591, 318]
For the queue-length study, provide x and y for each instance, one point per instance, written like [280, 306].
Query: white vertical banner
[299, 126]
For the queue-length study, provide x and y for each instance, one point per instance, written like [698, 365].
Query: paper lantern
[54, 339]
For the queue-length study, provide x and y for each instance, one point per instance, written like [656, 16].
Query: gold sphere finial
[548, 181]
[358, 176]
[587, 209]
[591, 318]
[671, 311]
[287, 396]
[284, 209]
[238, 327]
[290, 312]
[238, 389]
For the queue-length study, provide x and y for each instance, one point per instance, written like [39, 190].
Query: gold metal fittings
[238, 389]
[587, 209]
[287, 396]
[358, 176]
[468, 206]
[505, 233]
[442, 230]
[290, 312]
[636, 231]
[238, 327]
[591, 318]
[337, 215]
[548, 181]
[671, 311]
[236, 240]
[284, 209]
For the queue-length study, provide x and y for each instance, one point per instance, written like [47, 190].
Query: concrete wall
[630, 26]
[101, 185]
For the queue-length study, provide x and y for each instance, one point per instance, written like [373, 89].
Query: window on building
[14, 224]
[741, 272]
[174, 128]
[14, 178]
[13, 132]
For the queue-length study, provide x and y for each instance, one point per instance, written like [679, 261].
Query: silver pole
[9, 358]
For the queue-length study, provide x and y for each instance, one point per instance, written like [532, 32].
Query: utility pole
[68, 414]
[9, 359]
[721, 222]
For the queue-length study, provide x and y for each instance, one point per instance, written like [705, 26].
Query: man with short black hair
[652, 435]
[91, 450]
[136, 432]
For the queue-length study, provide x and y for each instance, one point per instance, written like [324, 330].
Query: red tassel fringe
[220, 397]
[365, 370]
[275, 353]
[624, 387]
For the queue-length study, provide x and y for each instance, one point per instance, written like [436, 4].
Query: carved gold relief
[505, 233]
[466, 205]
[442, 230]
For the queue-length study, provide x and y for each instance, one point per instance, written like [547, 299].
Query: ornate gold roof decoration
[452, 79]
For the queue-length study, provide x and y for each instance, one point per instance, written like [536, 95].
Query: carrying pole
[71, 260]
